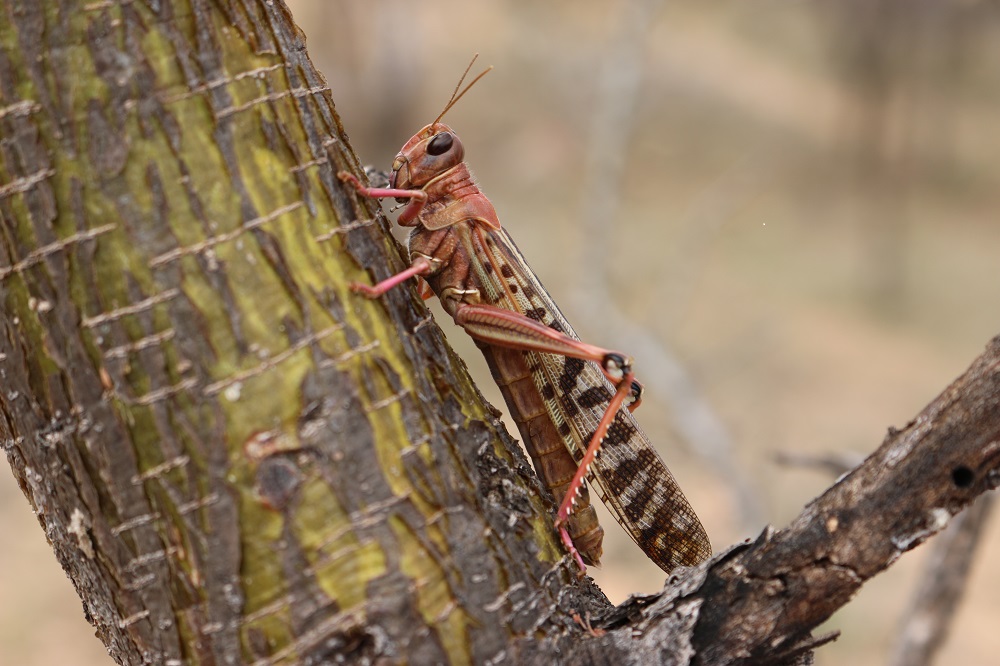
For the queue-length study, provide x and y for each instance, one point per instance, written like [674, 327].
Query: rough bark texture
[238, 461]
[234, 458]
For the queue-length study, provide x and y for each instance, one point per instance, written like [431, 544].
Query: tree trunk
[237, 460]
[233, 457]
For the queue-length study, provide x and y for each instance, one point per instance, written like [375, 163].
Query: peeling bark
[238, 461]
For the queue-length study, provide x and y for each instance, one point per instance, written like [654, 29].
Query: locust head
[429, 153]
[434, 149]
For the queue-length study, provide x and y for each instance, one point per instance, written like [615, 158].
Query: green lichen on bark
[261, 460]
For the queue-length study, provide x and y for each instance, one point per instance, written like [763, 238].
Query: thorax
[457, 256]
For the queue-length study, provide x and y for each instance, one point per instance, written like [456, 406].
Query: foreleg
[412, 210]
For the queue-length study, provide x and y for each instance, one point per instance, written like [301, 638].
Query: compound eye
[440, 144]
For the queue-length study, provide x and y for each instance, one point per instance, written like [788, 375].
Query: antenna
[455, 96]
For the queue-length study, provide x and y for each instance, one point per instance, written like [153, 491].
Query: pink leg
[506, 328]
[514, 330]
[625, 389]
[420, 266]
[418, 197]
[570, 548]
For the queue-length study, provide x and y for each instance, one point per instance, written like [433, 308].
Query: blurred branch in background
[611, 134]
[879, 168]
[942, 586]
[835, 463]
[903, 63]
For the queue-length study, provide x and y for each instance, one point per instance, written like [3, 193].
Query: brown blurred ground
[809, 224]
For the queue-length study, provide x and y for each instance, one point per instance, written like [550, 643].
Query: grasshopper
[571, 400]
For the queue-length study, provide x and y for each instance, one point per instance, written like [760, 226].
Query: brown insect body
[454, 226]
[558, 388]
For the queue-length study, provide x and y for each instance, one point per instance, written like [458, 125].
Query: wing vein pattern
[630, 477]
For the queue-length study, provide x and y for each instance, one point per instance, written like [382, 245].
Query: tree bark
[234, 458]
[238, 461]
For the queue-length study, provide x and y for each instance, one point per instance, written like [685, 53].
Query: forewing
[631, 478]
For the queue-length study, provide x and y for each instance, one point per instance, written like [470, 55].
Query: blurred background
[786, 211]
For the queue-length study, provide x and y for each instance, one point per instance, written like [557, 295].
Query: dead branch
[758, 602]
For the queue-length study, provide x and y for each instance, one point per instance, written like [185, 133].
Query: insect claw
[363, 289]
[346, 177]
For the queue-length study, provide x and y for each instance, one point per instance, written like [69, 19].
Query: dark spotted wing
[631, 478]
